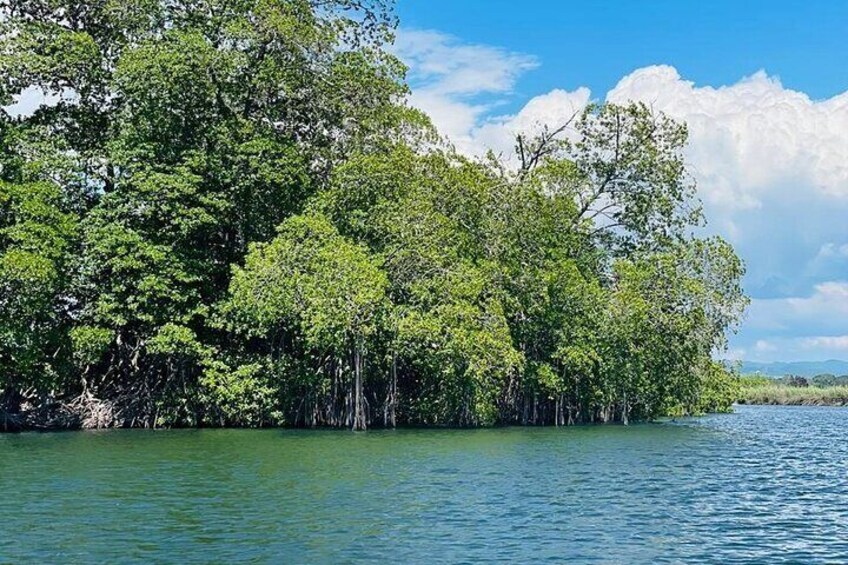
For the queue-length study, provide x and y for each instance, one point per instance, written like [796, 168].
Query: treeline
[226, 214]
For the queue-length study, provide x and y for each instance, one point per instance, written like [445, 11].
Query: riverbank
[779, 394]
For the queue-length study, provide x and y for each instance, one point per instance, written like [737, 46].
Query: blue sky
[763, 86]
[594, 44]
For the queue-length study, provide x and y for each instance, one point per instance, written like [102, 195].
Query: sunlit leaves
[35, 235]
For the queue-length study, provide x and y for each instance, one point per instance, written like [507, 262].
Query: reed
[780, 394]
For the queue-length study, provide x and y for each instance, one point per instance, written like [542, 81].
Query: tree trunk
[10, 407]
[359, 407]
[535, 408]
[390, 408]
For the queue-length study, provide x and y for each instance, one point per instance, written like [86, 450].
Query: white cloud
[552, 109]
[749, 141]
[813, 348]
[456, 83]
[459, 86]
[445, 64]
[764, 346]
[735, 354]
[825, 310]
[831, 249]
[814, 326]
[753, 138]
[772, 170]
[828, 297]
[827, 342]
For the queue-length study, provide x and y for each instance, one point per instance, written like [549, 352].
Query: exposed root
[91, 412]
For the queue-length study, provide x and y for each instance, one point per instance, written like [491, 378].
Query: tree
[313, 293]
[623, 167]
[35, 234]
[824, 380]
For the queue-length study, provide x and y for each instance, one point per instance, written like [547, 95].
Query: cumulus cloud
[749, 140]
[814, 348]
[752, 137]
[764, 346]
[831, 249]
[772, 170]
[460, 86]
[736, 354]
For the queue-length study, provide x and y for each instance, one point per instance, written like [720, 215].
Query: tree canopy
[228, 214]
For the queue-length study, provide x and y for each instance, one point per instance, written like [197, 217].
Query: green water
[766, 484]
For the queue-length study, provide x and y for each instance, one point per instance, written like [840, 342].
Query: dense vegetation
[228, 215]
[821, 390]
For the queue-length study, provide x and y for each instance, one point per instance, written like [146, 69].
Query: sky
[763, 87]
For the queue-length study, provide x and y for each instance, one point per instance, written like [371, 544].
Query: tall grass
[774, 393]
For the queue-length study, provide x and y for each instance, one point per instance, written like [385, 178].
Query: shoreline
[811, 402]
[377, 428]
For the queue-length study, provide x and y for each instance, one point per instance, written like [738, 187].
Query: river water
[766, 484]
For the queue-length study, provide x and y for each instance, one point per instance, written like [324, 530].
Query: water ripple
[767, 484]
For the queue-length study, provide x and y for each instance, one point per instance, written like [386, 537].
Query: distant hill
[801, 368]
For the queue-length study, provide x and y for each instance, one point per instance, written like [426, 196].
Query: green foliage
[232, 217]
[755, 380]
[244, 396]
[720, 389]
[89, 344]
[318, 293]
[824, 380]
[309, 278]
[795, 381]
[35, 238]
[458, 342]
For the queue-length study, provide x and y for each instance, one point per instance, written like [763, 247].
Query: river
[763, 484]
